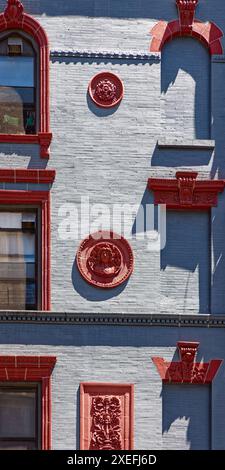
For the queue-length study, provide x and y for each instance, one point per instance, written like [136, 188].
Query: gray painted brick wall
[109, 157]
[123, 354]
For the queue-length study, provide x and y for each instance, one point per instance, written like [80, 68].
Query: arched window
[24, 79]
[18, 85]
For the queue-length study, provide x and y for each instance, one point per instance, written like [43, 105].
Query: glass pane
[17, 263]
[10, 220]
[17, 246]
[17, 413]
[17, 71]
[31, 296]
[26, 94]
[17, 445]
[17, 110]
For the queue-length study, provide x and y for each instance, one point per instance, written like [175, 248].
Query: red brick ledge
[21, 175]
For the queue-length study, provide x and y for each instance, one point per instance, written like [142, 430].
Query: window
[17, 86]
[24, 97]
[19, 417]
[26, 213]
[18, 260]
[25, 402]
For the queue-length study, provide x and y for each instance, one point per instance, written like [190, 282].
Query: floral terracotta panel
[106, 416]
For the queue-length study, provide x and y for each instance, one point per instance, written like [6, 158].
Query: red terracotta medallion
[105, 259]
[106, 89]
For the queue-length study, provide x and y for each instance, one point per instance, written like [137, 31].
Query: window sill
[42, 138]
[186, 144]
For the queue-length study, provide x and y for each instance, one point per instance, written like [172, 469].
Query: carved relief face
[106, 256]
[106, 263]
[105, 259]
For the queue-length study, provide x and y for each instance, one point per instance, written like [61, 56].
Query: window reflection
[17, 93]
[18, 261]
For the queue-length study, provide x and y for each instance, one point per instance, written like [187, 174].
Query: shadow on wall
[101, 8]
[181, 157]
[185, 89]
[218, 258]
[97, 110]
[186, 417]
[145, 219]
[91, 293]
[30, 153]
[185, 261]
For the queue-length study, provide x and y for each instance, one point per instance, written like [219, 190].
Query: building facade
[112, 125]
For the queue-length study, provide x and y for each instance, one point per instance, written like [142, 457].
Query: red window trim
[184, 192]
[42, 199]
[208, 33]
[21, 175]
[14, 18]
[106, 389]
[187, 371]
[32, 369]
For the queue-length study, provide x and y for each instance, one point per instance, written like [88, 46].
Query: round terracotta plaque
[105, 259]
[106, 89]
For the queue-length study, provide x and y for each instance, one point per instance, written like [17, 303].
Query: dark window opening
[19, 417]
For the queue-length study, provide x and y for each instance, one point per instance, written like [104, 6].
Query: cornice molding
[105, 55]
[185, 192]
[119, 319]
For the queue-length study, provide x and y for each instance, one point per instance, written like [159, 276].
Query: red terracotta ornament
[106, 416]
[24, 175]
[106, 89]
[14, 11]
[14, 17]
[33, 369]
[186, 10]
[187, 370]
[185, 192]
[105, 259]
[208, 33]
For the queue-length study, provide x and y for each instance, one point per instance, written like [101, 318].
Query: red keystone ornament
[186, 10]
[187, 370]
[185, 191]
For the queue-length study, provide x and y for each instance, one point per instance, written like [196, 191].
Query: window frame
[41, 199]
[30, 386]
[36, 57]
[36, 210]
[32, 369]
[14, 18]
